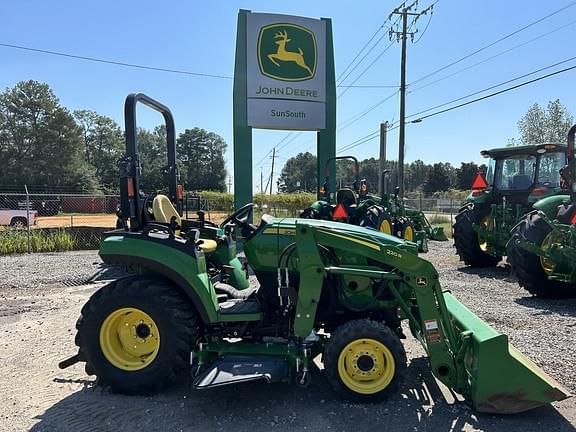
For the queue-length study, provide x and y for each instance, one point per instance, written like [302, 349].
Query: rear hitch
[69, 361]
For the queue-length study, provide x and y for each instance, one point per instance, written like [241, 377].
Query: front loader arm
[430, 322]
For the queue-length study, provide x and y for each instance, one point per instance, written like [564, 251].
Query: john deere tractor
[323, 288]
[385, 213]
[542, 250]
[518, 180]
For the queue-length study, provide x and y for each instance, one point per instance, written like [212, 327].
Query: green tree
[465, 175]
[201, 154]
[419, 173]
[103, 146]
[299, 174]
[153, 159]
[40, 143]
[438, 178]
[541, 125]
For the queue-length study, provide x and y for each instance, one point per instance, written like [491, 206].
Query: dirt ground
[37, 331]
[97, 220]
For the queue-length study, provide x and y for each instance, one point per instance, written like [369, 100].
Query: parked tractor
[518, 180]
[542, 250]
[323, 288]
[385, 213]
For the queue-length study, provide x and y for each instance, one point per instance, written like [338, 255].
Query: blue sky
[200, 37]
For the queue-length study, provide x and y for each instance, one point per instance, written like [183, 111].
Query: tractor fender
[186, 272]
[549, 205]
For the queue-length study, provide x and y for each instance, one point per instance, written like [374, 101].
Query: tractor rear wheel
[405, 230]
[469, 245]
[379, 219]
[364, 361]
[531, 270]
[136, 334]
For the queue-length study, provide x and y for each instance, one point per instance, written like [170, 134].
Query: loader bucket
[437, 233]
[501, 379]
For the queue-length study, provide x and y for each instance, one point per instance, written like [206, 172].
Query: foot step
[236, 369]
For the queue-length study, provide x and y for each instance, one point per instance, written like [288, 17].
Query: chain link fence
[43, 222]
[32, 222]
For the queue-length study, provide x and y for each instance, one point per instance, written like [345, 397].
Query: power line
[358, 116]
[365, 55]
[495, 93]
[116, 63]
[427, 25]
[367, 68]
[494, 56]
[493, 43]
[375, 134]
[367, 86]
[493, 86]
[360, 52]
[359, 141]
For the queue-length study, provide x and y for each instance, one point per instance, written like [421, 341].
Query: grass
[16, 241]
[438, 219]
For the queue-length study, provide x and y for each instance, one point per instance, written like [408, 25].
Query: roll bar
[130, 169]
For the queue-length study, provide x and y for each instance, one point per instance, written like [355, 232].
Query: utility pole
[382, 160]
[272, 172]
[229, 184]
[405, 12]
[261, 190]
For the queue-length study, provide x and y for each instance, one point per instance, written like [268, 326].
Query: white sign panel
[286, 68]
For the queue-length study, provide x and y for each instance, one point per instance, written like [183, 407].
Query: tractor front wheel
[364, 361]
[471, 248]
[136, 334]
[531, 270]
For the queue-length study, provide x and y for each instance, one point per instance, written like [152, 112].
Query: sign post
[283, 79]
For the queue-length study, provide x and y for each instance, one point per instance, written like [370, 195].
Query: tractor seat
[346, 197]
[207, 246]
[164, 211]
[520, 182]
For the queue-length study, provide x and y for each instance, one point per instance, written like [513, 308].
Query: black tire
[173, 316]
[355, 331]
[18, 223]
[405, 230]
[466, 239]
[378, 218]
[528, 267]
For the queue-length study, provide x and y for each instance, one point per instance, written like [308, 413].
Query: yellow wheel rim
[546, 263]
[129, 339]
[408, 233]
[385, 227]
[366, 366]
[486, 223]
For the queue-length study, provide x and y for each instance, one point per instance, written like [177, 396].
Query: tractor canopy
[532, 170]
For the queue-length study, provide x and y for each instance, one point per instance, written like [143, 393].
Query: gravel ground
[39, 306]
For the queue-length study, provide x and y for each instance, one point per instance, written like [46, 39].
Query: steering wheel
[240, 218]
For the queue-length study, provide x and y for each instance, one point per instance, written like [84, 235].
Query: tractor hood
[287, 227]
[274, 235]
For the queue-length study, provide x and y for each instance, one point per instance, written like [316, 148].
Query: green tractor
[542, 248]
[518, 180]
[387, 214]
[323, 288]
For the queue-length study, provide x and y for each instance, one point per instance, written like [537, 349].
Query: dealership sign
[286, 72]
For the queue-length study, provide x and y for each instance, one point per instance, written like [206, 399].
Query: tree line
[51, 149]
[538, 125]
[299, 174]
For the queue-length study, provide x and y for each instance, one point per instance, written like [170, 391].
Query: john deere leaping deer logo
[287, 52]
